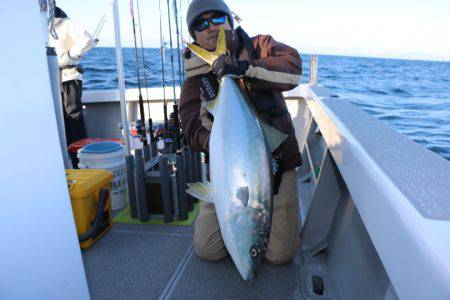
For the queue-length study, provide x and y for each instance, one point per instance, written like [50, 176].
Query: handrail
[400, 188]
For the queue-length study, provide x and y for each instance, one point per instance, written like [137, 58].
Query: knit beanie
[199, 7]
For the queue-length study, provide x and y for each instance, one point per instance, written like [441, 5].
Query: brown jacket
[274, 67]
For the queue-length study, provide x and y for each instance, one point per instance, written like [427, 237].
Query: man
[267, 68]
[72, 41]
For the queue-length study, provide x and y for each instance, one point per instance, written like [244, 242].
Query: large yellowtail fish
[241, 186]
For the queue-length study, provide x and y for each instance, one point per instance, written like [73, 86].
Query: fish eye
[254, 252]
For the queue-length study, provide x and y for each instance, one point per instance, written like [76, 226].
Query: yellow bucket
[91, 203]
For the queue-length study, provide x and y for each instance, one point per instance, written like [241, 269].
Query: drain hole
[317, 283]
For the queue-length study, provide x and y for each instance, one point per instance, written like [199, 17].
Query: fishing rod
[189, 35]
[183, 71]
[141, 129]
[181, 20]
[175, 13]
[103, 19]
[163, 59]
[180, 76]
[150, 121]
[175, 105]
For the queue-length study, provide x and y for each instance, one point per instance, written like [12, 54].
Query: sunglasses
[203, 24]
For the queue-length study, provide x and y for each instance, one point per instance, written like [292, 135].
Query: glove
[233, 42]
[226, 65]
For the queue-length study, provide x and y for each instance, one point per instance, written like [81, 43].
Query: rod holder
[181, 188]
[188, 174]
[198, 162]
[129, 161]
[165, 189]
[153, 149]
[147, 152]
[175, 199]
[140, 186]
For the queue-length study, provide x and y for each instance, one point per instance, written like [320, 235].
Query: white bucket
[108, 156]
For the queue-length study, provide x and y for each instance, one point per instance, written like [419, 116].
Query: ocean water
[412, 97]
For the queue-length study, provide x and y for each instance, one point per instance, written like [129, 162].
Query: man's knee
[208, 253]
[281, 257]
[209, 244]
[208, 241]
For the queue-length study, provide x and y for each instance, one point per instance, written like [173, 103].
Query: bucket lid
[75, 146]
[101, 148]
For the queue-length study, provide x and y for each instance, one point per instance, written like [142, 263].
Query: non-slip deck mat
[220, 280]
[126, 264]
[125, 217]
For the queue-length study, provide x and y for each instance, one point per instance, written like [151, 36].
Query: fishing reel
[172, 167]
[137, 129]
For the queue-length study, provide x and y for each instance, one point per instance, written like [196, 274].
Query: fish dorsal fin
[202, 191]
[210, 57]
[274, 136]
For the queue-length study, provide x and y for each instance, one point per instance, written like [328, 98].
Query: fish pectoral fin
[202, 191]
[274, 136]
[243, 194]
[208, 56]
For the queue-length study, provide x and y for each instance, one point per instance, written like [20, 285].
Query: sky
[409, 29]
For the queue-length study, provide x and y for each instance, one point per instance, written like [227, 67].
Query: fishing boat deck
[358, 199]
[156, 261]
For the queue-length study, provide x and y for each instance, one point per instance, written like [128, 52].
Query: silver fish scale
[240, 167]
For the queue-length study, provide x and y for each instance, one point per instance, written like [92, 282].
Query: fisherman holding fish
[263, 68]
[70, 43]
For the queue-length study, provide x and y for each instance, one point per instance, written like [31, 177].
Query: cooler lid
[85, 182]
[101, 148]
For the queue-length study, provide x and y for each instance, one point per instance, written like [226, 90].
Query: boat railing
[400, 188]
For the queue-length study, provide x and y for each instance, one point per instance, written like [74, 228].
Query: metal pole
[313, 71]
[120, 77]
[55, 81]
[123, 111]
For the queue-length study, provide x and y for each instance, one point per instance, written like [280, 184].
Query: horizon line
[387, 56]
